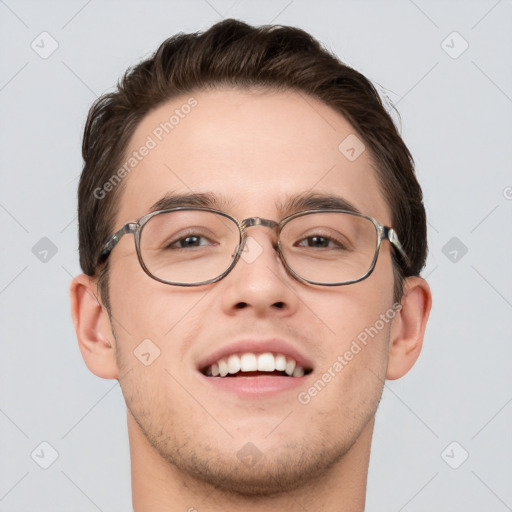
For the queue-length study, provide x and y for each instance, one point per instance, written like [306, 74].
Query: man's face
[255, 151]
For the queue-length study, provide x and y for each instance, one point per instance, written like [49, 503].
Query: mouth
[251, 365]
[256, 369]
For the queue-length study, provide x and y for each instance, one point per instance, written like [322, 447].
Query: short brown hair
[234, 54]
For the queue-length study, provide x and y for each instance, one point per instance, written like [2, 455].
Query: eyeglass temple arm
[114, 239]
[391, 235]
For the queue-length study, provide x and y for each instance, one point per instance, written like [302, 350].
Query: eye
[321, 242]
[189, 241]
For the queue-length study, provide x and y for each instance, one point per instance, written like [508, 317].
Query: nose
[259, 284]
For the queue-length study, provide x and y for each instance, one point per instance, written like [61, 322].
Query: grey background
[456, 119]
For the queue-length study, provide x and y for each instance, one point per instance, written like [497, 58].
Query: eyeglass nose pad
[238, 249]
[250, 249]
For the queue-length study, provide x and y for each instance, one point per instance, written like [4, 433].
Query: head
[255, 119]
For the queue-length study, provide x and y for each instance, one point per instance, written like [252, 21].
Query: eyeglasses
[193, 246]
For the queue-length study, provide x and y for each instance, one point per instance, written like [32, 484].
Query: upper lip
[274, 345]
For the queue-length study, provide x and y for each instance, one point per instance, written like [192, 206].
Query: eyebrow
[292, 204]
[202, 199]
[315, 201]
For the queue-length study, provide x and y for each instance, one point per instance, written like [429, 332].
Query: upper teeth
[250, 362]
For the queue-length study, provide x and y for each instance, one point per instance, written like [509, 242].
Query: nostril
[279, 305]
[241, 305]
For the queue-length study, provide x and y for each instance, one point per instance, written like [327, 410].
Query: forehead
[253, 149]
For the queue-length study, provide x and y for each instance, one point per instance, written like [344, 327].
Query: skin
[256, 148]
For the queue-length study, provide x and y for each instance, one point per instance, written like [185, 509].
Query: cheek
[357, 320]
[349, 382]
[153, 396]
[144, 308]
[357, 346]
[351, 310]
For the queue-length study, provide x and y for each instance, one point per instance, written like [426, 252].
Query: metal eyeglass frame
[135, 228]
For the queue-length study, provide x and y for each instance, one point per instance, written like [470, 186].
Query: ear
[408, 327]
[93, 328]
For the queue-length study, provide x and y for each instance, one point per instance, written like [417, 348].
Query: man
[251, 236]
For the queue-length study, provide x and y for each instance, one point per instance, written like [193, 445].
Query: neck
[160, 486]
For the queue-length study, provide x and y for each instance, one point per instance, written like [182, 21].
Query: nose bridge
[251, 249]
[258, 221]
[259, 284]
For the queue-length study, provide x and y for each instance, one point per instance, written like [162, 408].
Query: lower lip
[256, 387]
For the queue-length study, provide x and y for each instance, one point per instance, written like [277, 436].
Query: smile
[250, 364]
